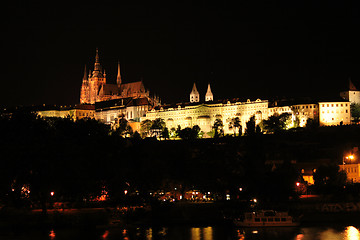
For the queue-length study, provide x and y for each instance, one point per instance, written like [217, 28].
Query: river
[188, 233]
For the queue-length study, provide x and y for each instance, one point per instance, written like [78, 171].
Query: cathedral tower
[194, 95]
[84, 94]
[118, 78]
[209, 96]
[352, 94]
[96, 81]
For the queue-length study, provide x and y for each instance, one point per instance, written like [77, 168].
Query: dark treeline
[78, 160]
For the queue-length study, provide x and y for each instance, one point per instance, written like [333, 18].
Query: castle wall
[204, 115]
[334, 113]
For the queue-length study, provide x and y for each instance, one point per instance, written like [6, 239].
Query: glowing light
[208, 233]
[149, 234]
[228, 197]
[106, 233]
[255, 200]
[297, 184]
[240, 189]
[255, 232]
[195, 233]
[52, 235]
[125, 192]
[352, 233]
[240, 235]
[300, 236]
[52, 193]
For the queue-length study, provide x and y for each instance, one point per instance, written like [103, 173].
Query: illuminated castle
[96, 89]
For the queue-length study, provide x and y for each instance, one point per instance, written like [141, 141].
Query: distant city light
[52, 193]
[52, 234]
[227, 197]
[125, 192]
[297, 184]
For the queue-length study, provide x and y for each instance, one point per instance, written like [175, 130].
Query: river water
[188, 233]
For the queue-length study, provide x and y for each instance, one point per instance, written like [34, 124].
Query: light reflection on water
[193, 233]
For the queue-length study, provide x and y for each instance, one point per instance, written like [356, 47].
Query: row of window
[305, 107]
[270, 219]
[346, 111]
[332, 105]
[351, 170]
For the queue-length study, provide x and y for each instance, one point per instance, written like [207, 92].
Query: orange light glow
[297, 184]
[52, 193]
[52, 234]
[106, 233]
[352, 233]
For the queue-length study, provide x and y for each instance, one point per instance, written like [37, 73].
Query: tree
[165, 133]
[234, 124]
[276, 123]
[122, 127]
[218, 128]
[250, 126]
[157, 127]
[355, 112]
[189, 133]
[145, 127]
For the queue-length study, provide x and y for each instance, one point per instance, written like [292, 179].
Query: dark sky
[251, 49]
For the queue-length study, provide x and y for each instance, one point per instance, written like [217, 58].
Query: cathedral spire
[97, 66]
[118, 79]
[209, 96]
[85, 74]
[194, 95]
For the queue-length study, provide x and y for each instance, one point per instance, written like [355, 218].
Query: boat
[266, 218]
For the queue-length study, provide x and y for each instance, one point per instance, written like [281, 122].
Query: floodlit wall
[204, 115]
[334, 113]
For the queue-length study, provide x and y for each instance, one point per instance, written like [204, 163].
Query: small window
[264, 219]
[257, 219]
[283, 219]
[277, 219]
[270, 219]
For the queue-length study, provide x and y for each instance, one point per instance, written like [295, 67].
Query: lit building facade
[132, 109]
[352, 171]
[204, 114]
[305, 111]
[75, 113]
[334, 113]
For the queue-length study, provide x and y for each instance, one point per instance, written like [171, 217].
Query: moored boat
[266, 218]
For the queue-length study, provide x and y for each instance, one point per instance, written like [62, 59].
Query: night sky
[251, 49]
